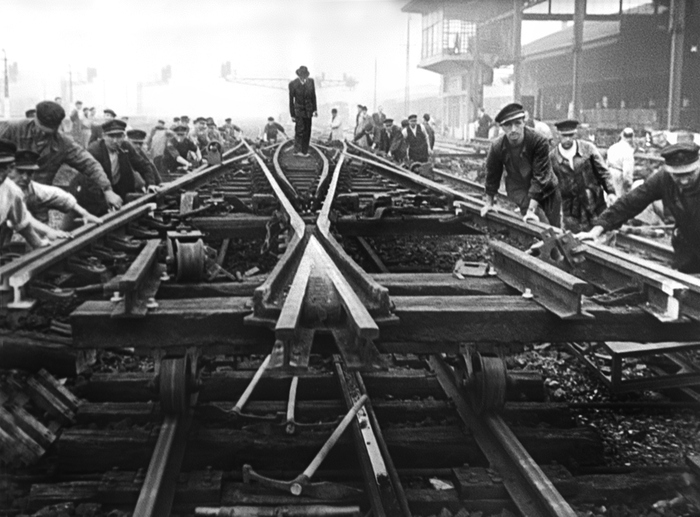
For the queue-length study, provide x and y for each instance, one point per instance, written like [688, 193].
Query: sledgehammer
[302, 484]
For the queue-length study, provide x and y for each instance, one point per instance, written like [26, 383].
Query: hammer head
[301, 485]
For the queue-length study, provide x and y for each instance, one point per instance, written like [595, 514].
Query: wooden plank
[512, 319]
[432, 224]
[630, 349]
[86, 450]
[139, 268]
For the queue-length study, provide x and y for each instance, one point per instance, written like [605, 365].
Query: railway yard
[335, 335]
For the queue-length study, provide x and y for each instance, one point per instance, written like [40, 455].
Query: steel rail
[532, 492]
[384, 488]
[295, 219]
[323, 222]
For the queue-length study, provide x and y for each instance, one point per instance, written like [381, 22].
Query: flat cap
[388, 120]
[30, 113]
[181, 129]
[512, 111]
[681, 158]
[50, 114]
[26, 160]
[227, 119]
[109, 112]
[137, 135]
[567, 126]
[412, 116]
[7, 151]
[114, 126]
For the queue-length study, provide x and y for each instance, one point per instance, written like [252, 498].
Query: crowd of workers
[568, 184]
[563, 182]
[112, 161]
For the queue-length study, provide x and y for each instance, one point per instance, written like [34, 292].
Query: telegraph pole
[375, 84]
[70, 84]
[6, 96]
[407, 91]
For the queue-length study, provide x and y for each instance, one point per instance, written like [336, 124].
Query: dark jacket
[390, 143]
[684, 206]
[582, 187]
[535, 181]
[54, 150]
[302, 98]
[129, 161]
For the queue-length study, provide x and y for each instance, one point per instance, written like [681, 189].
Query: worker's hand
[52, 234]
[113, 199]
[294, 119]
[590, 235]
[610, 199]
[315, 113]
[89, 218]
[531, 217]
[486, 209]
[152, 189]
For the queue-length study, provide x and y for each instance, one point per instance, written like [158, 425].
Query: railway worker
[231, 132]
[39, 198]
[176, 122]
[42, 135]
[390, 141]
[199, 133]
[272, 131]
[583, 178]
[417, 140]
[76, 116]
[96, 129]
[160, 126]
[336, 134]
[483, 124]
[213, 134]
[123, 165]
[30, 113]
[180, 151]
[621, 162]
[12, 207]
[430, 130]
[678, 185]
[302, 107]
[530, 181]
[363, 128]
[137, 138]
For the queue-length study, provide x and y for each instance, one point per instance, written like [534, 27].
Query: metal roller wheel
[191, 261]
[486, 377]
[175, 385]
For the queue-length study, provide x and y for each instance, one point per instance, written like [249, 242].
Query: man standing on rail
[583, 177]
[678, 185]
[302, 107]
[12, 208]
[42, 136]
[530, 181]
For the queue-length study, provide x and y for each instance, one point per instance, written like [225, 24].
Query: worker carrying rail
[678, 185]
[530, 181]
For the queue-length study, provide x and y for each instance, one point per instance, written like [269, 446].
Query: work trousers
[302, 135]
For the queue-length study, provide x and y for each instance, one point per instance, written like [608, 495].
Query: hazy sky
[130, 41]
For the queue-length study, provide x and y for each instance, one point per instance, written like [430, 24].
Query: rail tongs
[301, 485]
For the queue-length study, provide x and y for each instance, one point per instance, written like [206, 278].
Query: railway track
[319, 334]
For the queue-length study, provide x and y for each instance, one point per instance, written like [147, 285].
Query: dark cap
[200, 119]
[681, 158]
[227, 119]
[110, 112]
[30, 113]
[211, 124]
[567, 127]
[114, 126]
[181, 129]
[161, 122]
[512, 111]
[137, 135]
[7, 151]
[185, 117]
[302, 71]
[271, 119]
[388, 120]
[50, 114]
[412, 116]
[426, 116]
[26, 160]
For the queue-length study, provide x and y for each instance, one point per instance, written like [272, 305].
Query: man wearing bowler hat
[302, 107]
[678, 185]
[530, 181]
[583, 178]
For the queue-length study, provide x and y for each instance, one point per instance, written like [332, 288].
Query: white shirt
[12, 208]
[568, 154]
[621, 158]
